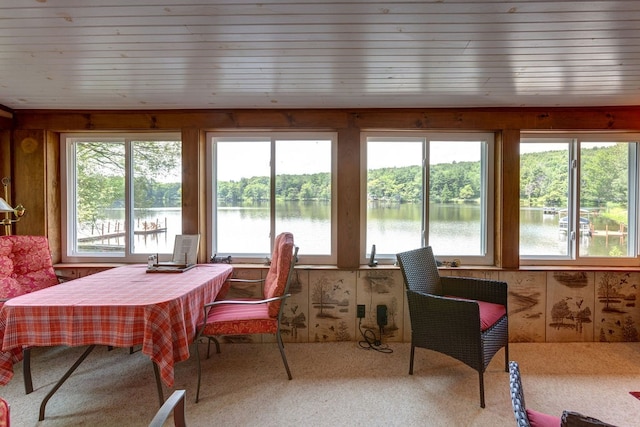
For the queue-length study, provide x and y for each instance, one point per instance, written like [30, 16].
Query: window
[121, 196]
[265, 183]
[578, 198]
[428, 189]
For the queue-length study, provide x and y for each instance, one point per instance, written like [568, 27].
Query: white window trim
[68, 193]
[330, 259]
[634, 202]
[487, 177]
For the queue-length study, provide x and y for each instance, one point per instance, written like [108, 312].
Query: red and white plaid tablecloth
[121, 307]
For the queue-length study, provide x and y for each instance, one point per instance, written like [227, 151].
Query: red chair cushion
[240, 319]
[490, 312]
[539, 419]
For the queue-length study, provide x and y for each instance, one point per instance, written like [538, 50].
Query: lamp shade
[4, 206]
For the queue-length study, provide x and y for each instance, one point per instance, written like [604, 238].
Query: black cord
[371, 342]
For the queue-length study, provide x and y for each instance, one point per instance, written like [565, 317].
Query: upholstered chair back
[25, 265]
[275, 283]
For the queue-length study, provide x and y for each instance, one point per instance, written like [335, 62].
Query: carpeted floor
[334, 384]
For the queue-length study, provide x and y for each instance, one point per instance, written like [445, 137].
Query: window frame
[273, 137]
[574, 139]
[487, 171]
[68, 193]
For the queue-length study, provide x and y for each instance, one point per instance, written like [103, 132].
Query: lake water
[455, 230]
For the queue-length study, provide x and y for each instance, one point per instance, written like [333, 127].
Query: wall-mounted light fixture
[5, 207]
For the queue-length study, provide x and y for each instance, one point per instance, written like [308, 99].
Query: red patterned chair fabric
[236, 319]
[254, 316]
[4, 413]
[25, 265]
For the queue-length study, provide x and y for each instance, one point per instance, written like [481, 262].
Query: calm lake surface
[455, 230]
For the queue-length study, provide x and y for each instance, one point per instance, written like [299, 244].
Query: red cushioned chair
[25, 266]
[4, 413]
[461, 317]
[254, 316]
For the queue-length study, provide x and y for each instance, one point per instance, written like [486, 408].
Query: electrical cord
[371, 342]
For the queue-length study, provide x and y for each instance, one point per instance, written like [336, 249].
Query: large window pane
[577, 200]
[303, 193]
[157, 195]
[457, 198]
[99, 197]
[451, 214]
[604, 199]
[394, 195]
[122, 196]
[270, 183]
[544, 199]
[243, 178]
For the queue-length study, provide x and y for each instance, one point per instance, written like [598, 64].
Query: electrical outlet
[382, 315]
[360, 312]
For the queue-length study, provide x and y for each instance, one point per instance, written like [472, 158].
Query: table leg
[156, 371]
[26, 370]
[63, 379]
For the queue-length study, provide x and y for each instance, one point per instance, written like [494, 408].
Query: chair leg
[284, 358]
[215, 340]
[26, 370]
[413, 351]
[209, 339]
[506, 358]
[481, 389]
[199, 370]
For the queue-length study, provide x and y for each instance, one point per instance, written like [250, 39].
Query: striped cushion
[539, 419]
[237, 319]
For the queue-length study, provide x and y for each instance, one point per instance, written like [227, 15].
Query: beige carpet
[334, 384]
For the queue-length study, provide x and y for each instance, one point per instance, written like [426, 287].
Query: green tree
[100, 172]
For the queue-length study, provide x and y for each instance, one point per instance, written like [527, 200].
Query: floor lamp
[5, 207]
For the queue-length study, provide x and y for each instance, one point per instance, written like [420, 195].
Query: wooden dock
[105, 231]
[120, 234]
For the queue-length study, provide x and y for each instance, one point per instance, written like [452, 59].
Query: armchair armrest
[175, 404]
[575, 419]
[208, 306]
[444, 319]
[236, 280]
[247, 301]
[494, 291]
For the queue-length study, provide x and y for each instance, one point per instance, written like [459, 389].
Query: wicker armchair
[461, 317]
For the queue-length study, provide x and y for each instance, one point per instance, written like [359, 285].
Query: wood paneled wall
[36, 176]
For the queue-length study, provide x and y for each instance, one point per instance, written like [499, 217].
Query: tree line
[543, 182]
[603, 177]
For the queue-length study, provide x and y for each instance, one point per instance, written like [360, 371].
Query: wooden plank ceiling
[166, 54]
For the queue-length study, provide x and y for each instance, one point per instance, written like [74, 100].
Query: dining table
[125, 306]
